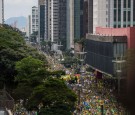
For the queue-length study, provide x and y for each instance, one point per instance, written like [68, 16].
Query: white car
[2, 112]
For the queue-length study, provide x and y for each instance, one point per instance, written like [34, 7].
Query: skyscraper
[34, 19]
[90, 16]
[85, 18]
[55, 21]
[46, 36]
[78, 19]
[41, 19]
[113, 13]
[70, 24]
[28, 26]
[1, 11]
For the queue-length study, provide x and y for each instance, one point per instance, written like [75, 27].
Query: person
[108, 112]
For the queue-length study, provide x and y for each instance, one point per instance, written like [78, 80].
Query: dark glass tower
[78, 19]
[41, 9]
[62, 22]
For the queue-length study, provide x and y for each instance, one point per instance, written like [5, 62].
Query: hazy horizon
[23, 8]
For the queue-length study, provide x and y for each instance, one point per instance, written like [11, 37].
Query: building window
[125, 3]
[128, 15]
[129, 3]
[115, 3]
[114, 15]
[119, 14]
[124, 16]
[119, 10]
[114, 26]
[119, 26]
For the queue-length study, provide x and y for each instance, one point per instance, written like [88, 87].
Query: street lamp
[102, 107]
[118, 69]
[79, 95]
[81, 58]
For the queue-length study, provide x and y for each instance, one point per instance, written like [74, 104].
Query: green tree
[55, 96]
[30, 73]
[26, 67]
[12, 49]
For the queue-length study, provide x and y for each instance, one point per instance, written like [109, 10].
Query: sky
[15, 8]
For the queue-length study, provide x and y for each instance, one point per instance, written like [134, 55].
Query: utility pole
[81, 58]
[119, 65]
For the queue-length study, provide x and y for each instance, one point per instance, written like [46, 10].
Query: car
[2, 112]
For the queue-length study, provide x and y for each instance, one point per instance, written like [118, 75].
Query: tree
[58, 74]
[26, 67]
[55, 96]
[131, 79]
[30, 73]
[127, 94]
[12, 49]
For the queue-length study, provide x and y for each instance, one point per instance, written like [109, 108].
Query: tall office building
[78, 19]
[90, 16]
[70, 24]
[28, 26]
[1, 11]
[55, 21]
[34, 19]
[41, 19]
[85, 18]
[113, 13]
[46, 36]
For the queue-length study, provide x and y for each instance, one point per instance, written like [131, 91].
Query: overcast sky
[15, 8]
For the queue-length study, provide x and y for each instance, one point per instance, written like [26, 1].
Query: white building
[1, 11]
[70, 24]
[113, 13]
[28, 26]
[52, 22]
[34, 19]
[55, 20]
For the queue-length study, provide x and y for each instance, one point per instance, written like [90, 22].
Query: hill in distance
[20, 21]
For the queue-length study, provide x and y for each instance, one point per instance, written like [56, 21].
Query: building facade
[113, 13]
[55, 21]
[41, 19]
[70, 24]
[29, 26]
[78, 19]
[1, 11]
[85, 18]
[102, 50]
[34, 19]
[46, 32]
[106, 45]
[90, 16]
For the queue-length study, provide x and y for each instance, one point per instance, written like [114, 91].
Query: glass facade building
[55, 21]
[124, 13]
[78, 19]
[113, 13]
[102, 50]
[41, 22]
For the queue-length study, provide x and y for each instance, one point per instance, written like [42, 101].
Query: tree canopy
[38, 86]
[23, 70]
[12, 49]
[55, 96]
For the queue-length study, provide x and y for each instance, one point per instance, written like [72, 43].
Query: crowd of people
[94, 98]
